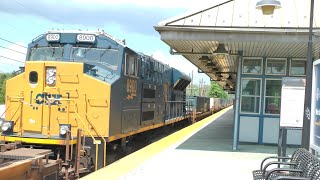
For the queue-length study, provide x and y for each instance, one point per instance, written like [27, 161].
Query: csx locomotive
[90, 81]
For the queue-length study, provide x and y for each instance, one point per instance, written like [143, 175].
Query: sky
[21, 21]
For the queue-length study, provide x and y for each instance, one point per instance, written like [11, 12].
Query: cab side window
[131, 65]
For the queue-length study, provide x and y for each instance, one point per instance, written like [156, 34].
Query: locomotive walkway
[201, 151]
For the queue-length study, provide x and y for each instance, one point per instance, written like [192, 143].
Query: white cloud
[9, 65]
[182, 4]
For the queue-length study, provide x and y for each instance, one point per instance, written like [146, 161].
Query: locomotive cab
[67, 79]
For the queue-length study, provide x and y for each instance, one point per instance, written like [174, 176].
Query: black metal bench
[302, 165]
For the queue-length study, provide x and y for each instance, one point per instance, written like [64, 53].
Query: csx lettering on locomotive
[46, 98]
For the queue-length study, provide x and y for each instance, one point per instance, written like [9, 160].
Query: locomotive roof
[121, 42]
[97, 33]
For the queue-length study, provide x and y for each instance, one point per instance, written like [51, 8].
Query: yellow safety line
[132, 161]
[36, 140]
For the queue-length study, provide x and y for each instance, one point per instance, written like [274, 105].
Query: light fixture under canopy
[220, 52]
[268, 6]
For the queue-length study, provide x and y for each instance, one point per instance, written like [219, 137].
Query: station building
[247, 53]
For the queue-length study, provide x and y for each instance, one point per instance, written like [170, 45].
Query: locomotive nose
[52, 94]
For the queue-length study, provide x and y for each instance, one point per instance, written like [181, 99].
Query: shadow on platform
[218, 136]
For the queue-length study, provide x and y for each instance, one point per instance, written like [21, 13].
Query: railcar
[90, 81]
[198, 104]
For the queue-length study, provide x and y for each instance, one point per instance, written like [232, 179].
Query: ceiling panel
[228, 65]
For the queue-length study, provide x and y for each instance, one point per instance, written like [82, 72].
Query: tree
[216, 91]
[3, 78]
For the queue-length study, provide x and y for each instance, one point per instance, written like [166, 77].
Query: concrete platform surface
[201, 151]
[195, 164]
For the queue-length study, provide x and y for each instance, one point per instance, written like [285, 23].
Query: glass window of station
[272, 96]
[267, 73]
[252, 65]
[276, 66]
[250, 95]
[298, 67]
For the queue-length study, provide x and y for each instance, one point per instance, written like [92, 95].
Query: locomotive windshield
[106, 57]
[95, 56]
[46, 53]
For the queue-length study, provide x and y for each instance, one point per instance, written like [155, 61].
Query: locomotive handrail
[69, 90]
[57, 88]
[97, 132]
[20, 107]
[95, 129]
[175, 101]
[5, 111]
[75, 104]
[15, 114]
[15, 97]
[20, 100]
[94, 139]
[104, 141]
[52, 87]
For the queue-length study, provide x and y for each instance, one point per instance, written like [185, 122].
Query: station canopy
[239, 28]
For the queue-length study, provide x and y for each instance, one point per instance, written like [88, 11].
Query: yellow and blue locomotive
[91, 81]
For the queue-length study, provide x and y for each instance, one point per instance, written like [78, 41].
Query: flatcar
[90, 81]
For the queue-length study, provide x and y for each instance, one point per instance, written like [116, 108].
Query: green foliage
[216, 91]
[3, 78]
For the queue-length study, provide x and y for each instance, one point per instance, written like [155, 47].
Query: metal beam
[172, 52]
[192, 34]
[217, 72]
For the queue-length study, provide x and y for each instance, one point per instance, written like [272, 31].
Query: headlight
[64, 128]
[51, 75]
[6, 126]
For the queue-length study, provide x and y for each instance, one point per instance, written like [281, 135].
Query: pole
[77, 159]
[66, 163]
[308, 90]
[237, 103]
[191, 82]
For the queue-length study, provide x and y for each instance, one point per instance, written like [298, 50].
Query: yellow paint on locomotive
[75, 98]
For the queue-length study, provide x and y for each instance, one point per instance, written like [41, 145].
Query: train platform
[200, 151]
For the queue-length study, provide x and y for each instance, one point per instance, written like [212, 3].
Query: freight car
[216, 104]
[91, 81]
[201, 107]
[198, 104]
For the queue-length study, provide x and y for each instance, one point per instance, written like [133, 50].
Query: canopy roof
[240, 27]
